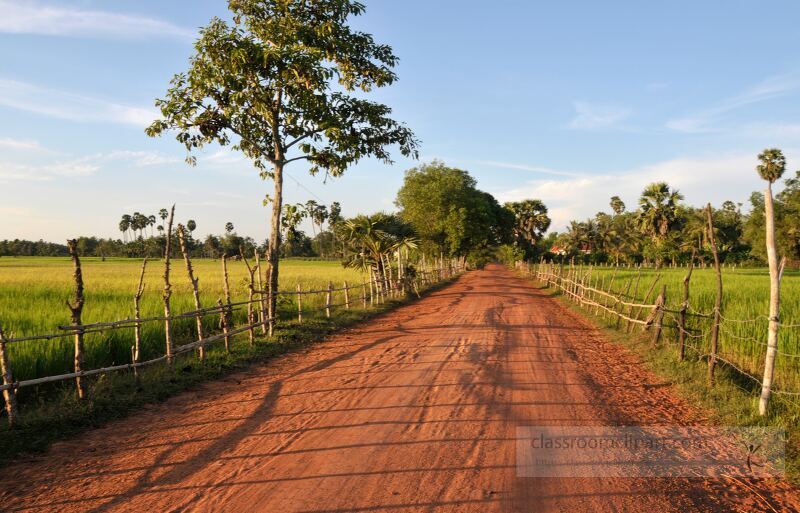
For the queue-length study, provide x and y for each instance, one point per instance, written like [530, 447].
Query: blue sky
[570, 102]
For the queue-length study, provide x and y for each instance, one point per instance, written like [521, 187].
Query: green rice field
[33, 292]
[745, 307]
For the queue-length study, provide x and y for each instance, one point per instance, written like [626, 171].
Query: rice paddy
[33, 292]
[745, 307]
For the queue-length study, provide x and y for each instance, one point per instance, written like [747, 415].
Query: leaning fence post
[9, 395]
[624, 297]
[684, 308]
[633, 299]
[346, 296]
[646, 299]
[712, 360]
[201, 352]
[328, 296]
[76, 309]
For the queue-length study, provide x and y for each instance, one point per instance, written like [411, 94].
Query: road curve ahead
[415, 411]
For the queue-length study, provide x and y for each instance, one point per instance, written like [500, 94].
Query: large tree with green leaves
[448, 212]
[264, 84]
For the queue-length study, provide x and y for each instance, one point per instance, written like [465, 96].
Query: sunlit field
[33, 292]
[745, 307]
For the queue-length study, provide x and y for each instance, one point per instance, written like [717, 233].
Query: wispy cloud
[526, 167]
[730, 177]
[706, 121]
[75, 107]
[82, 166]
[590, 116]
[20, 144]
[27, 17]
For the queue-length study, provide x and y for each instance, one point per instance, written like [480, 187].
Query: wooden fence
[364, 295]
[694, 332]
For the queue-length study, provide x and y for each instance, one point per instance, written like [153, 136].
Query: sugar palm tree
[530, 220]
[617, 206]
[151, 221]
[124, 225]
[658, 213]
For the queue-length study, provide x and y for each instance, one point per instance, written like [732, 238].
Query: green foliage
[772, 166]
[530, 222]
[448, 212]
[263, 84]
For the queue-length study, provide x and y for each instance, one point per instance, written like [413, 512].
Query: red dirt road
[413, 412]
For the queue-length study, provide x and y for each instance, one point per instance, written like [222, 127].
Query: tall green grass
[33, 292]
[745, 306]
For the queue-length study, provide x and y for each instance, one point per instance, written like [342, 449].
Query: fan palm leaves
[658, 210]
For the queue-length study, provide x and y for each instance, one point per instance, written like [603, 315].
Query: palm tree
[773, 165]
[531, 220]
[124, 225]
[228, 227]
[151, 221]
[617, 206]
[127, 221]
[658, 214]
[191, 225]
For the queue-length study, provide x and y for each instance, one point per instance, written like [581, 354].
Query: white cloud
[81, 166]
[592, 117]
[8, 143]
[73, 107]
[27, 17]
[707, 121]
[701, 180]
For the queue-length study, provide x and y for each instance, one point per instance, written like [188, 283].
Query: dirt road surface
[415, 411]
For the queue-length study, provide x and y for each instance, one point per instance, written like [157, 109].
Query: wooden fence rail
[578, 285]
[383, 289]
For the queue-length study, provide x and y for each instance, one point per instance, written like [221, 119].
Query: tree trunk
[775, 274]
[76, 310]
[712, 361]
[274, 245]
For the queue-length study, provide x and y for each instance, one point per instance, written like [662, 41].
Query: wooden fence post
[328, 297]
[9, 394]
[633, 299]
[684, 308]
[223, 323]
[251, 318]
[624, 298]
[712, 360]
[646, 299]
[346, 296]
[137, 326]
[262, 302]
[227, 311]
[76, 309]
[168, 289]
[364, 295]
[659, 319]
[299, 304]
[201, 351]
